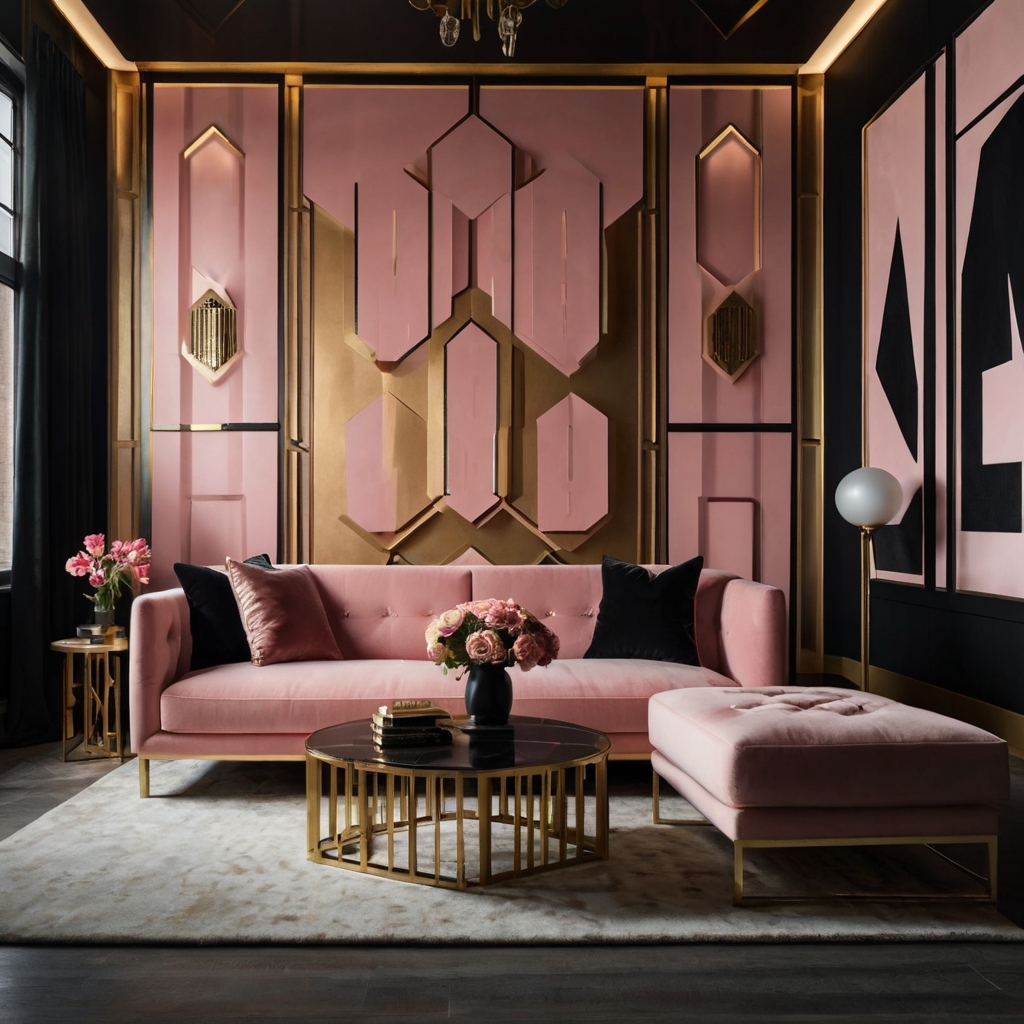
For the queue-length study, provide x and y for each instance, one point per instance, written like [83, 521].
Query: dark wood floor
[721, 983]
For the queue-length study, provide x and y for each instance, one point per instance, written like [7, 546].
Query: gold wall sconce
[212, 335]
[730, 342]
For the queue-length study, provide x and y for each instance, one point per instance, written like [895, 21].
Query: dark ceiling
[374, 31]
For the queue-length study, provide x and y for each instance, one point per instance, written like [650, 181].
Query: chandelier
[507, 13]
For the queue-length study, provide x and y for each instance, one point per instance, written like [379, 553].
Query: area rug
[218, 856]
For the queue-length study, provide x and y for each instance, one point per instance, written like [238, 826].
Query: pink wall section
[697, 392]
[988, 58]
[753, 467]
[215, 221]
[894, 192]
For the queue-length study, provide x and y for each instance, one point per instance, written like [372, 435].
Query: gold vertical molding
[653, 527]
[124, 150]
[296, 498]
[809, 596]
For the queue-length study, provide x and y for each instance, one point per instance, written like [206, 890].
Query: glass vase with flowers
[126, 563]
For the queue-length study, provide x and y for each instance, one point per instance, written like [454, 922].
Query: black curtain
[54, 494]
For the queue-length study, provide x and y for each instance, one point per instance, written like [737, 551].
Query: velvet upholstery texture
[218, 636]
[283, 614]
[645, 614]
[825, 747]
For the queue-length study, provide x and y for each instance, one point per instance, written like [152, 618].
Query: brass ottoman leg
[143, 777]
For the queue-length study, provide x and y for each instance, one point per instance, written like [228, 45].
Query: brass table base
[380, 819]
[98, 690]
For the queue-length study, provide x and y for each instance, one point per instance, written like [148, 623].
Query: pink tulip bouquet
[490, 632]
[127, 561]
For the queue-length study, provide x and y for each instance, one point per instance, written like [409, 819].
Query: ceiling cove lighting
[846, 30]
[93, 35]
[507, 13]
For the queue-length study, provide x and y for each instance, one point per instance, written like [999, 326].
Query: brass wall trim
[1007, 724]
[203, 428]
[643, 71]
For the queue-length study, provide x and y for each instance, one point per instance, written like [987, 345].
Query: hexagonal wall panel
[471, 166]
[557, 301]
[729, 207]
[572, 466]
[471, 421]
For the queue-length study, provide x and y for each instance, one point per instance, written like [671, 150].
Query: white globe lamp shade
[869, 497]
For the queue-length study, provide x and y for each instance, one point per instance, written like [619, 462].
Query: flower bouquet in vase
[485, 638]
[126, 563]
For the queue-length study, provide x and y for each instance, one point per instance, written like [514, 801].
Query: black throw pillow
[218, 637]
[643, 615]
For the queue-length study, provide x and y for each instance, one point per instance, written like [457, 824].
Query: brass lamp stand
[867, 498]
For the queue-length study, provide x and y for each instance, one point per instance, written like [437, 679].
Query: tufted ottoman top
[824, 747]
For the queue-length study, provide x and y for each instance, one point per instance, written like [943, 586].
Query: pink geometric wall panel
[941, 445]
[471, 166]
[215, 215]
[988, 58]
[603, 128]
[558, 263]
[450, 266]
[364, 139]
[894, 287]
[492, 267]
[754, 466]
[989, 556]
[729, 207]
[372, 491]
[728, 535]
[697, 392]
[393, 265]
[572, 466]
[214, 495]
[471, 420]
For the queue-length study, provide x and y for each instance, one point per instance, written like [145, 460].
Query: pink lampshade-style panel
[941, 373]
[988, 58]
[732, 212]
[894, 283]
[557, 301]
[729, 498]
[215, 218]
[572, 466]
[358, 144]
[471, 421]
[602, 128]
[989, 553]
[214, 495]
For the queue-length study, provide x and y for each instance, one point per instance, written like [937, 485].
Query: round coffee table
[546, 789]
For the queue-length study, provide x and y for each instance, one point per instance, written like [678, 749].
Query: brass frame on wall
[808, 601]
[124, 154]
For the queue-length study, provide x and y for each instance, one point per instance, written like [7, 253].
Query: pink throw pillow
[283, 614]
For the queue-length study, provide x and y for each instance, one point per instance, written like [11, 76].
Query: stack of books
[410, 723]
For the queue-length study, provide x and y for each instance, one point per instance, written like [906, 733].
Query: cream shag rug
[221, 859]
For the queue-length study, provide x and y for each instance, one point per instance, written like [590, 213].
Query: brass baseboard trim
[1007, 724]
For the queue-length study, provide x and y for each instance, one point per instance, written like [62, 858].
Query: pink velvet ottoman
[822, 766]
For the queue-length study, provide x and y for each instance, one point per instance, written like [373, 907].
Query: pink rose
[437, 652]
[527, 651]
[96, 579]
[94, 544]
[431, 632]
[79, 565]
[550, 645]
[504, 615]
[485, 647]
[450, 621]
[481, 608]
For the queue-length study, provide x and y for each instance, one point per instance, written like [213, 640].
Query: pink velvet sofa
[379, 615]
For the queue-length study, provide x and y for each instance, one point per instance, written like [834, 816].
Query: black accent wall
[966, 643]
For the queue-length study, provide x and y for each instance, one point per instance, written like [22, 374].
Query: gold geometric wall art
[212, 335]
[730, 340]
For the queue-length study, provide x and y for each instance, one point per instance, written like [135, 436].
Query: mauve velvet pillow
[218, 637]
[643, 615]
[283, 614]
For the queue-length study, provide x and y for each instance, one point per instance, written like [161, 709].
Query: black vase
[489, 694]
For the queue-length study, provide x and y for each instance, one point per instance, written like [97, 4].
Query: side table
[99, 685]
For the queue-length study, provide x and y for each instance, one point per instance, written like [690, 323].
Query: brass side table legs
[96, 690]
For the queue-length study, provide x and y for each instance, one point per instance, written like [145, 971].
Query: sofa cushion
[302, 697]
[383, 612]
[824, 747]
[283, 614]
[218, 636]
[647, 615]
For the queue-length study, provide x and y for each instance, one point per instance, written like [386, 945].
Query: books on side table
[410, 723]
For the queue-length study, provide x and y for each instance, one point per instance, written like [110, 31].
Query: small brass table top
[81, 645]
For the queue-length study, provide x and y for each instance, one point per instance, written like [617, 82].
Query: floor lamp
[868, 498]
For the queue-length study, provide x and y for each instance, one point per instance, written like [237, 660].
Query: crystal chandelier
[507, 13]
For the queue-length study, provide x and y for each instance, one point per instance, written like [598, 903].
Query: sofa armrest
[754, 640]
[161, 647]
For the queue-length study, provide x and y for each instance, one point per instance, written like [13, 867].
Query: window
[9, 154]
